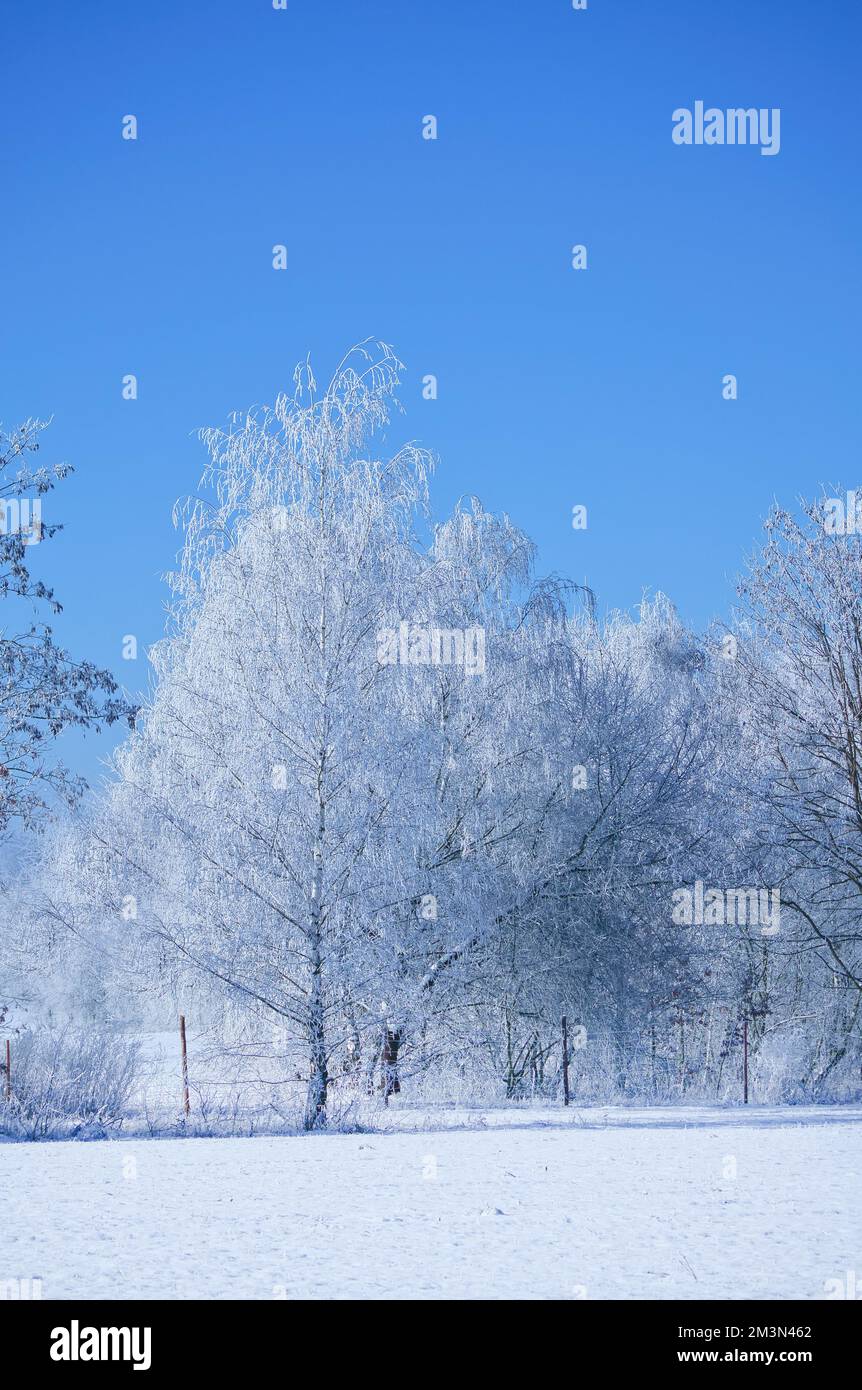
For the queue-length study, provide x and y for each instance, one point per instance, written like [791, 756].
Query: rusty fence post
[185, 1064]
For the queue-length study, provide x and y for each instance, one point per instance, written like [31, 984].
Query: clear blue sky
[556, 387]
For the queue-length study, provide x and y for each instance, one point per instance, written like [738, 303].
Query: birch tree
[324, 805]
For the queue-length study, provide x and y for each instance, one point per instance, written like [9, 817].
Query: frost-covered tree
[252, 824]
[292, 792]
[475, 795]
[43, 690]
[801, 663]
[632, 750]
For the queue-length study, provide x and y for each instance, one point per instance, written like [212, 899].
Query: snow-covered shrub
[69, 1083]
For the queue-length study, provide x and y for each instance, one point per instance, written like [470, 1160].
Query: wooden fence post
[8, 1086]
[565, 1061]
[185, 1064]
[745, 1061]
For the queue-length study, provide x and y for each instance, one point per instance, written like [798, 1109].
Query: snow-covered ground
[526, 1204]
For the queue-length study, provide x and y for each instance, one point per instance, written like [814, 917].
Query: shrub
[69, 1083]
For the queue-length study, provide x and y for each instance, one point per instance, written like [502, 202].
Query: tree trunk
[389, 1062]
[318, 1082]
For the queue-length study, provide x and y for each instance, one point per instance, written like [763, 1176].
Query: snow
[530, 1203]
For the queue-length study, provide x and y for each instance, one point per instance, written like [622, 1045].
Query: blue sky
[556, 387]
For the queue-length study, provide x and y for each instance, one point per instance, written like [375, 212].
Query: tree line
[398, 797]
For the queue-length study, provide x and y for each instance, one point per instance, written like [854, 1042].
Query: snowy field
[526, 1204]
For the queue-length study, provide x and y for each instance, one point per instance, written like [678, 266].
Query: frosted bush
[69, 1083]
